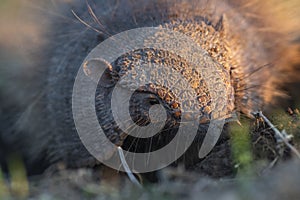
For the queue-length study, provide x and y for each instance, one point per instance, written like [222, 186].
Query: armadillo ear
[98, 68]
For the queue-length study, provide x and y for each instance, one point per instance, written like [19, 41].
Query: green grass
[17, 186]
[241, 147]
[4, 192]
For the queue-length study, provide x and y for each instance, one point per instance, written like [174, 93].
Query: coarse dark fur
[258, 45]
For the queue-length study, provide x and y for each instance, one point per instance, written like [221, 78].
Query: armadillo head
[159, 77]
[225, 45]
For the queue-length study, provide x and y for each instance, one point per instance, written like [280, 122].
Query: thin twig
[279, 134]
[127, 169]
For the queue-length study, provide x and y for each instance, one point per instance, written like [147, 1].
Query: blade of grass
[4, 192]
[18, 177]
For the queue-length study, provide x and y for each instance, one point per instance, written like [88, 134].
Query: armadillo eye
[153, 100]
